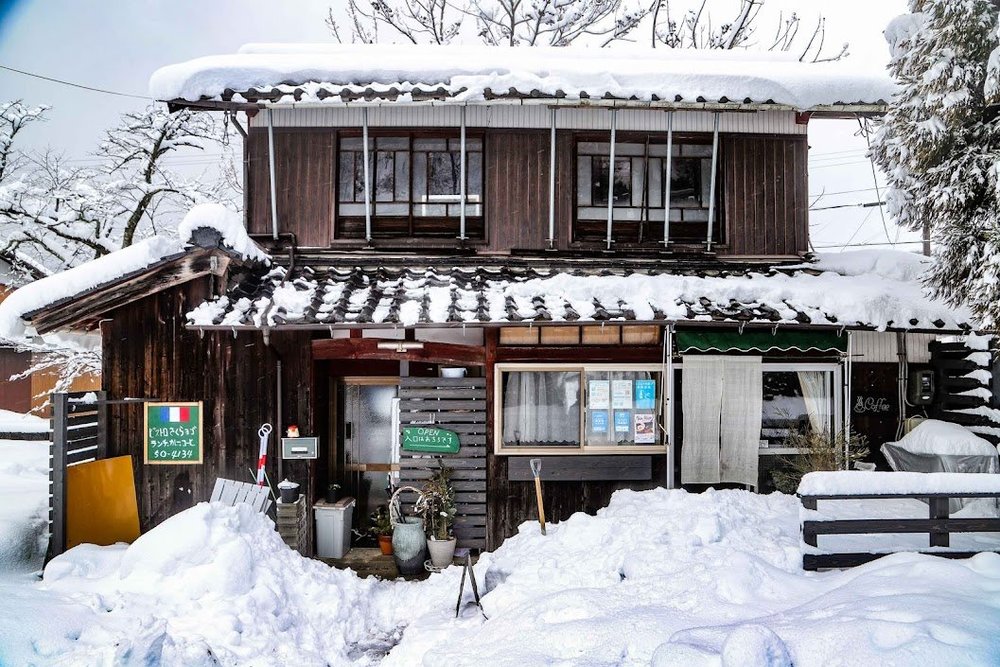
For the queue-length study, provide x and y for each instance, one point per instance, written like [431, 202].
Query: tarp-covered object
[937, 446]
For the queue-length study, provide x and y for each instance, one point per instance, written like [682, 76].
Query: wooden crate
[291, 523]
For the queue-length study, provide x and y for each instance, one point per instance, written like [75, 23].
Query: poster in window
[621, 394]
[645, 394]
[599, 394]
[623, 421]
[599, 421]
[645, 433]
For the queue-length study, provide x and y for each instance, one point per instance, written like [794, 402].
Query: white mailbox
[299, 448]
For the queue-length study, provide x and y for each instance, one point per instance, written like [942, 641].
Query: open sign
[429, 440]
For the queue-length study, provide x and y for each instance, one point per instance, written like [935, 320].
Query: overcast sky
[117, 45]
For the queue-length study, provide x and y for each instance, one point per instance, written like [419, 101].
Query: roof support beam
[711, 190]
[667, 173]
[270, 175]
[611, 175]
[367, 348]
[368, 178]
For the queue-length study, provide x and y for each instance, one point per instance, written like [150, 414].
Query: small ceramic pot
[409, 545]
[385, 544]
[442, 551]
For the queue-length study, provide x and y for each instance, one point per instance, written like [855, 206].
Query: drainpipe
[270, 175]
[461, 171]
[668, 394]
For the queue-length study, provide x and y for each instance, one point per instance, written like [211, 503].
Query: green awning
[760, 341]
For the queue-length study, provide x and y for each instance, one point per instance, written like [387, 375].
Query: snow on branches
[939, 146]
[55, 214]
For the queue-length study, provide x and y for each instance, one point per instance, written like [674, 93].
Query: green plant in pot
[380, 525]
[437, 507]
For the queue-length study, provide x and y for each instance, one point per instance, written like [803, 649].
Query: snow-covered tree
[564, 22]
[939, 146]
[55, 214]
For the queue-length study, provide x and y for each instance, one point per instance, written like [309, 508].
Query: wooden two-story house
[599, 258]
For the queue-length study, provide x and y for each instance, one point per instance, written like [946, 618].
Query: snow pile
[24, 508]
[658, 577]
[854, 482]
[319, 73]
[213, 585]
[18, 422]
[90, 275]
[889, 264]
[228, 223]
[937, 438]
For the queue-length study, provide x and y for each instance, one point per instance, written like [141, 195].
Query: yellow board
[100, 503]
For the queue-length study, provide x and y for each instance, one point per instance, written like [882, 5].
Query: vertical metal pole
[270, 175]
[552, 181]
[57, 476]
[368, 185]
[611, 174]
[668, 393]
[668, 172]
[711, 190]
[461, 170]
[847, 399]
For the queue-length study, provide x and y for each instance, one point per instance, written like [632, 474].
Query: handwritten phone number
[166, 431]
[176, 454]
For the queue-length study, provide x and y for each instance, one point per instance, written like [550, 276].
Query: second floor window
[415, 186]
[637, 189]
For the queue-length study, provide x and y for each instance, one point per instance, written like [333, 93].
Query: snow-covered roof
[67, 286]
[381, 294]
[335, 74]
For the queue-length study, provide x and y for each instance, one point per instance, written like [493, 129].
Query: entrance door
[369, 431]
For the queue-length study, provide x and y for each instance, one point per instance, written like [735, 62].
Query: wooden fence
[459, 405]
[79, 434]
[939, 526]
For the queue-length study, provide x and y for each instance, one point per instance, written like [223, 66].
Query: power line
[867, 204]
[74, 85]
[861, 245]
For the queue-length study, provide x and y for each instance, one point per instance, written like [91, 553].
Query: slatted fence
[459, 405]
[79, 434]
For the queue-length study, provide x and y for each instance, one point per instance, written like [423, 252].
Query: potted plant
[332, 492]
[380, 525]
[437, 506]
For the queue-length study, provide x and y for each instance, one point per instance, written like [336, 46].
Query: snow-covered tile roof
[378, 294]
[322, 73]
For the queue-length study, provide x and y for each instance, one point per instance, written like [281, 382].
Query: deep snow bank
[24, 485]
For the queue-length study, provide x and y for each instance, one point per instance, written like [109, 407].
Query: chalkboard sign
[172, 433]
[429, 440]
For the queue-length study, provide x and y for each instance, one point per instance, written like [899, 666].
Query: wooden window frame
[663, 401]
[651, 240]
[480, 237]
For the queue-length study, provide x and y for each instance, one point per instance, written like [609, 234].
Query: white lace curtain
[541, 408]
[817, 394]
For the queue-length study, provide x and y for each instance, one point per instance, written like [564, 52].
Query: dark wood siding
[765, 195]
[14, 394]
[304, 182]
[517, 189]
[148, 353]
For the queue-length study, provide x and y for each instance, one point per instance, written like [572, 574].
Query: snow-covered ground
[24, 480]
[658, 577]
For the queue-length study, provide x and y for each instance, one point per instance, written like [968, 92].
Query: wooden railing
[939, 526]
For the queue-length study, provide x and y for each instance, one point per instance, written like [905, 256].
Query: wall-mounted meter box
[299, 448]
[921, 388]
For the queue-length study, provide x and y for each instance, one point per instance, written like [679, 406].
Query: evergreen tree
[939, 146]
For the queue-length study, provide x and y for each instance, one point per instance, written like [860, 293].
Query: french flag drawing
[175, 415]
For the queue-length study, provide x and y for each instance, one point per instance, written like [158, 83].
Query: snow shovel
[536, 470]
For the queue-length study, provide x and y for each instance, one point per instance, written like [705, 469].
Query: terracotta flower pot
[385, 544]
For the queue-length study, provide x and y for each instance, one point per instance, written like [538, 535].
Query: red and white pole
[265, 435]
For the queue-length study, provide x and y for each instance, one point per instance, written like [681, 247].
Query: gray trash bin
[333, 527]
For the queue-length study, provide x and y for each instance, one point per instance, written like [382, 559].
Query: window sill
[568, 451]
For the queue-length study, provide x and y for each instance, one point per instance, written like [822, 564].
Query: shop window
[799, 399]
[639, 199]
[579, 408]
[415, 185]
